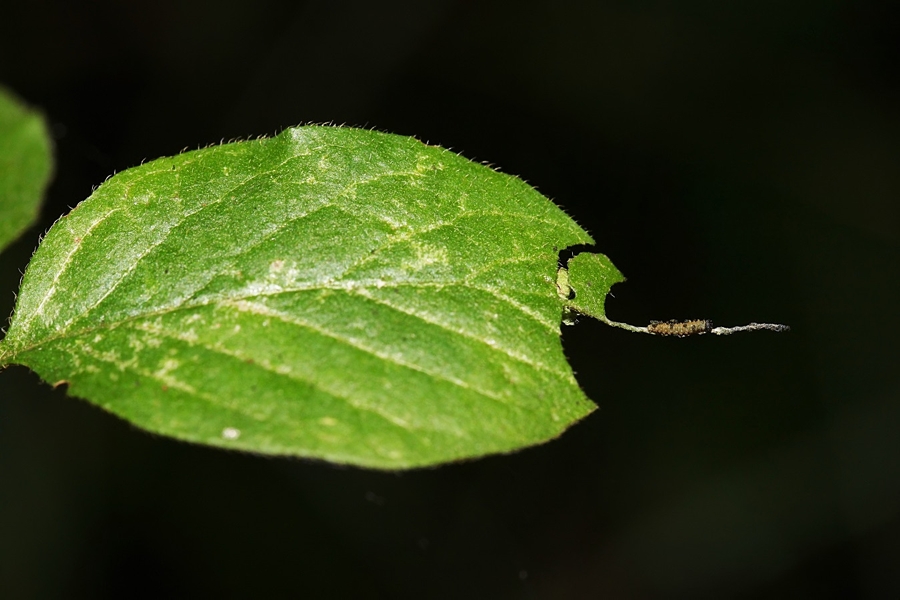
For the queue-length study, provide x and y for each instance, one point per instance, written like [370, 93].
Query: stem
[714, 330]
[750, 327]
[625, 326]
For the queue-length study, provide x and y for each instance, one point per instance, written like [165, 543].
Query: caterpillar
[680, 328]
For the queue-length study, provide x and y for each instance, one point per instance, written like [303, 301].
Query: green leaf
[590, 276]
[333, 293]
[25, 166]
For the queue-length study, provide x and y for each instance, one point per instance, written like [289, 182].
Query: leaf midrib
[4, 357]
[291, 375]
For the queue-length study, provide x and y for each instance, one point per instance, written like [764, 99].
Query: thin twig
[671, 328]
[750, 327]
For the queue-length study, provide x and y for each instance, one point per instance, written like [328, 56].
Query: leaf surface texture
[333, 293]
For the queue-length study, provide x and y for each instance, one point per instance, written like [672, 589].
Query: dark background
[738, 160]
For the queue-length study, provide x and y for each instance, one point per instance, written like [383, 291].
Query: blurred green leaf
[25, 166]
[334, 293]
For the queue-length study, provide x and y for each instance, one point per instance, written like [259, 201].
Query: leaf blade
[591, 276]
[393, 304]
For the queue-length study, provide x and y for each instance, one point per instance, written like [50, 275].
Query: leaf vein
[262, 310]
[51, 290]
[507, 352]
[218, 349]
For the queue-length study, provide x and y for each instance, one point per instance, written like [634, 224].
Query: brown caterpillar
[680, 328]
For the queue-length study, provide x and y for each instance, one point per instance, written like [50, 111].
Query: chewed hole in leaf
[569, 252]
